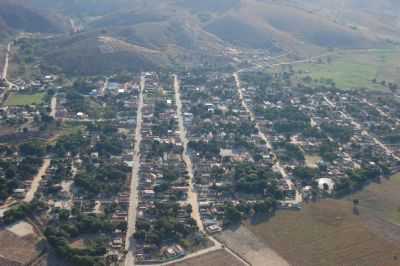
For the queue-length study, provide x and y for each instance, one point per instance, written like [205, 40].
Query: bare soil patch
[215, 258]
[21, 229]
[243, 242]
[16, 249]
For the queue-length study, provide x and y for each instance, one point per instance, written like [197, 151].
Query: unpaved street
[130, 241]
[36, 180]
[192, 195]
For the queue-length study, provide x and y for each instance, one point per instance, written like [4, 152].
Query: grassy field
[357, 69]
[330, 233]
[24, 99]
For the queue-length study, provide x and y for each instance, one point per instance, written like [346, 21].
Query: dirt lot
[16, 249]
[330, 233]
[254, 251]
[216, 258]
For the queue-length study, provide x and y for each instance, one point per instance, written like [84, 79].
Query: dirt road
[277, 166]
[36, 180]
[130, 241]
[53, 106]
[358, 126]
[192, 195]
[5, 69]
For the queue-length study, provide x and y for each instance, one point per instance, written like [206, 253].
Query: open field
[357, 68]
[24, 99]
[329, 233]
[382, 199]
[215, 258]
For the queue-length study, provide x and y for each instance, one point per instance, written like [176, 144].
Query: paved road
[277, 166]
[130, 241]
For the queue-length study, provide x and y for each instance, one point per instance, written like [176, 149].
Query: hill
[194, 33]
[95, 53]
[260, 25]
[17, 16]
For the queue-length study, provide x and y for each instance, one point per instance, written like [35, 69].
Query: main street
[192, 195]
[133, 199]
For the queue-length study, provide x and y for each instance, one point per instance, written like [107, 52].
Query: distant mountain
[167, 33]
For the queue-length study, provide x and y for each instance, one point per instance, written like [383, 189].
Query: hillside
[94, 54]
[19, 17]
[191, 32]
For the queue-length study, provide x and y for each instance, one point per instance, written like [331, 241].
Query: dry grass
[328, 233]
[215, 258]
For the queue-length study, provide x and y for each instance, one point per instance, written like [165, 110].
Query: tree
[232, 215]
[33, 148]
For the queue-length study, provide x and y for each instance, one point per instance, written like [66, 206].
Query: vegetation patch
[16, 99]
[356, 69]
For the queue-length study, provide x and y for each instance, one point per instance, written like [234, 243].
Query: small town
[199, 133]
[150, 168]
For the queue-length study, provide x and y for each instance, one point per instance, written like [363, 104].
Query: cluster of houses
[340, 133]
[163, 175]
[222, 134]
[317, 138]
[58, 187]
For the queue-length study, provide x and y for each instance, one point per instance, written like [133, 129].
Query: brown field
[215, 258]
[256, 252]
[329, 233]
[383, 199]
[15, 249]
